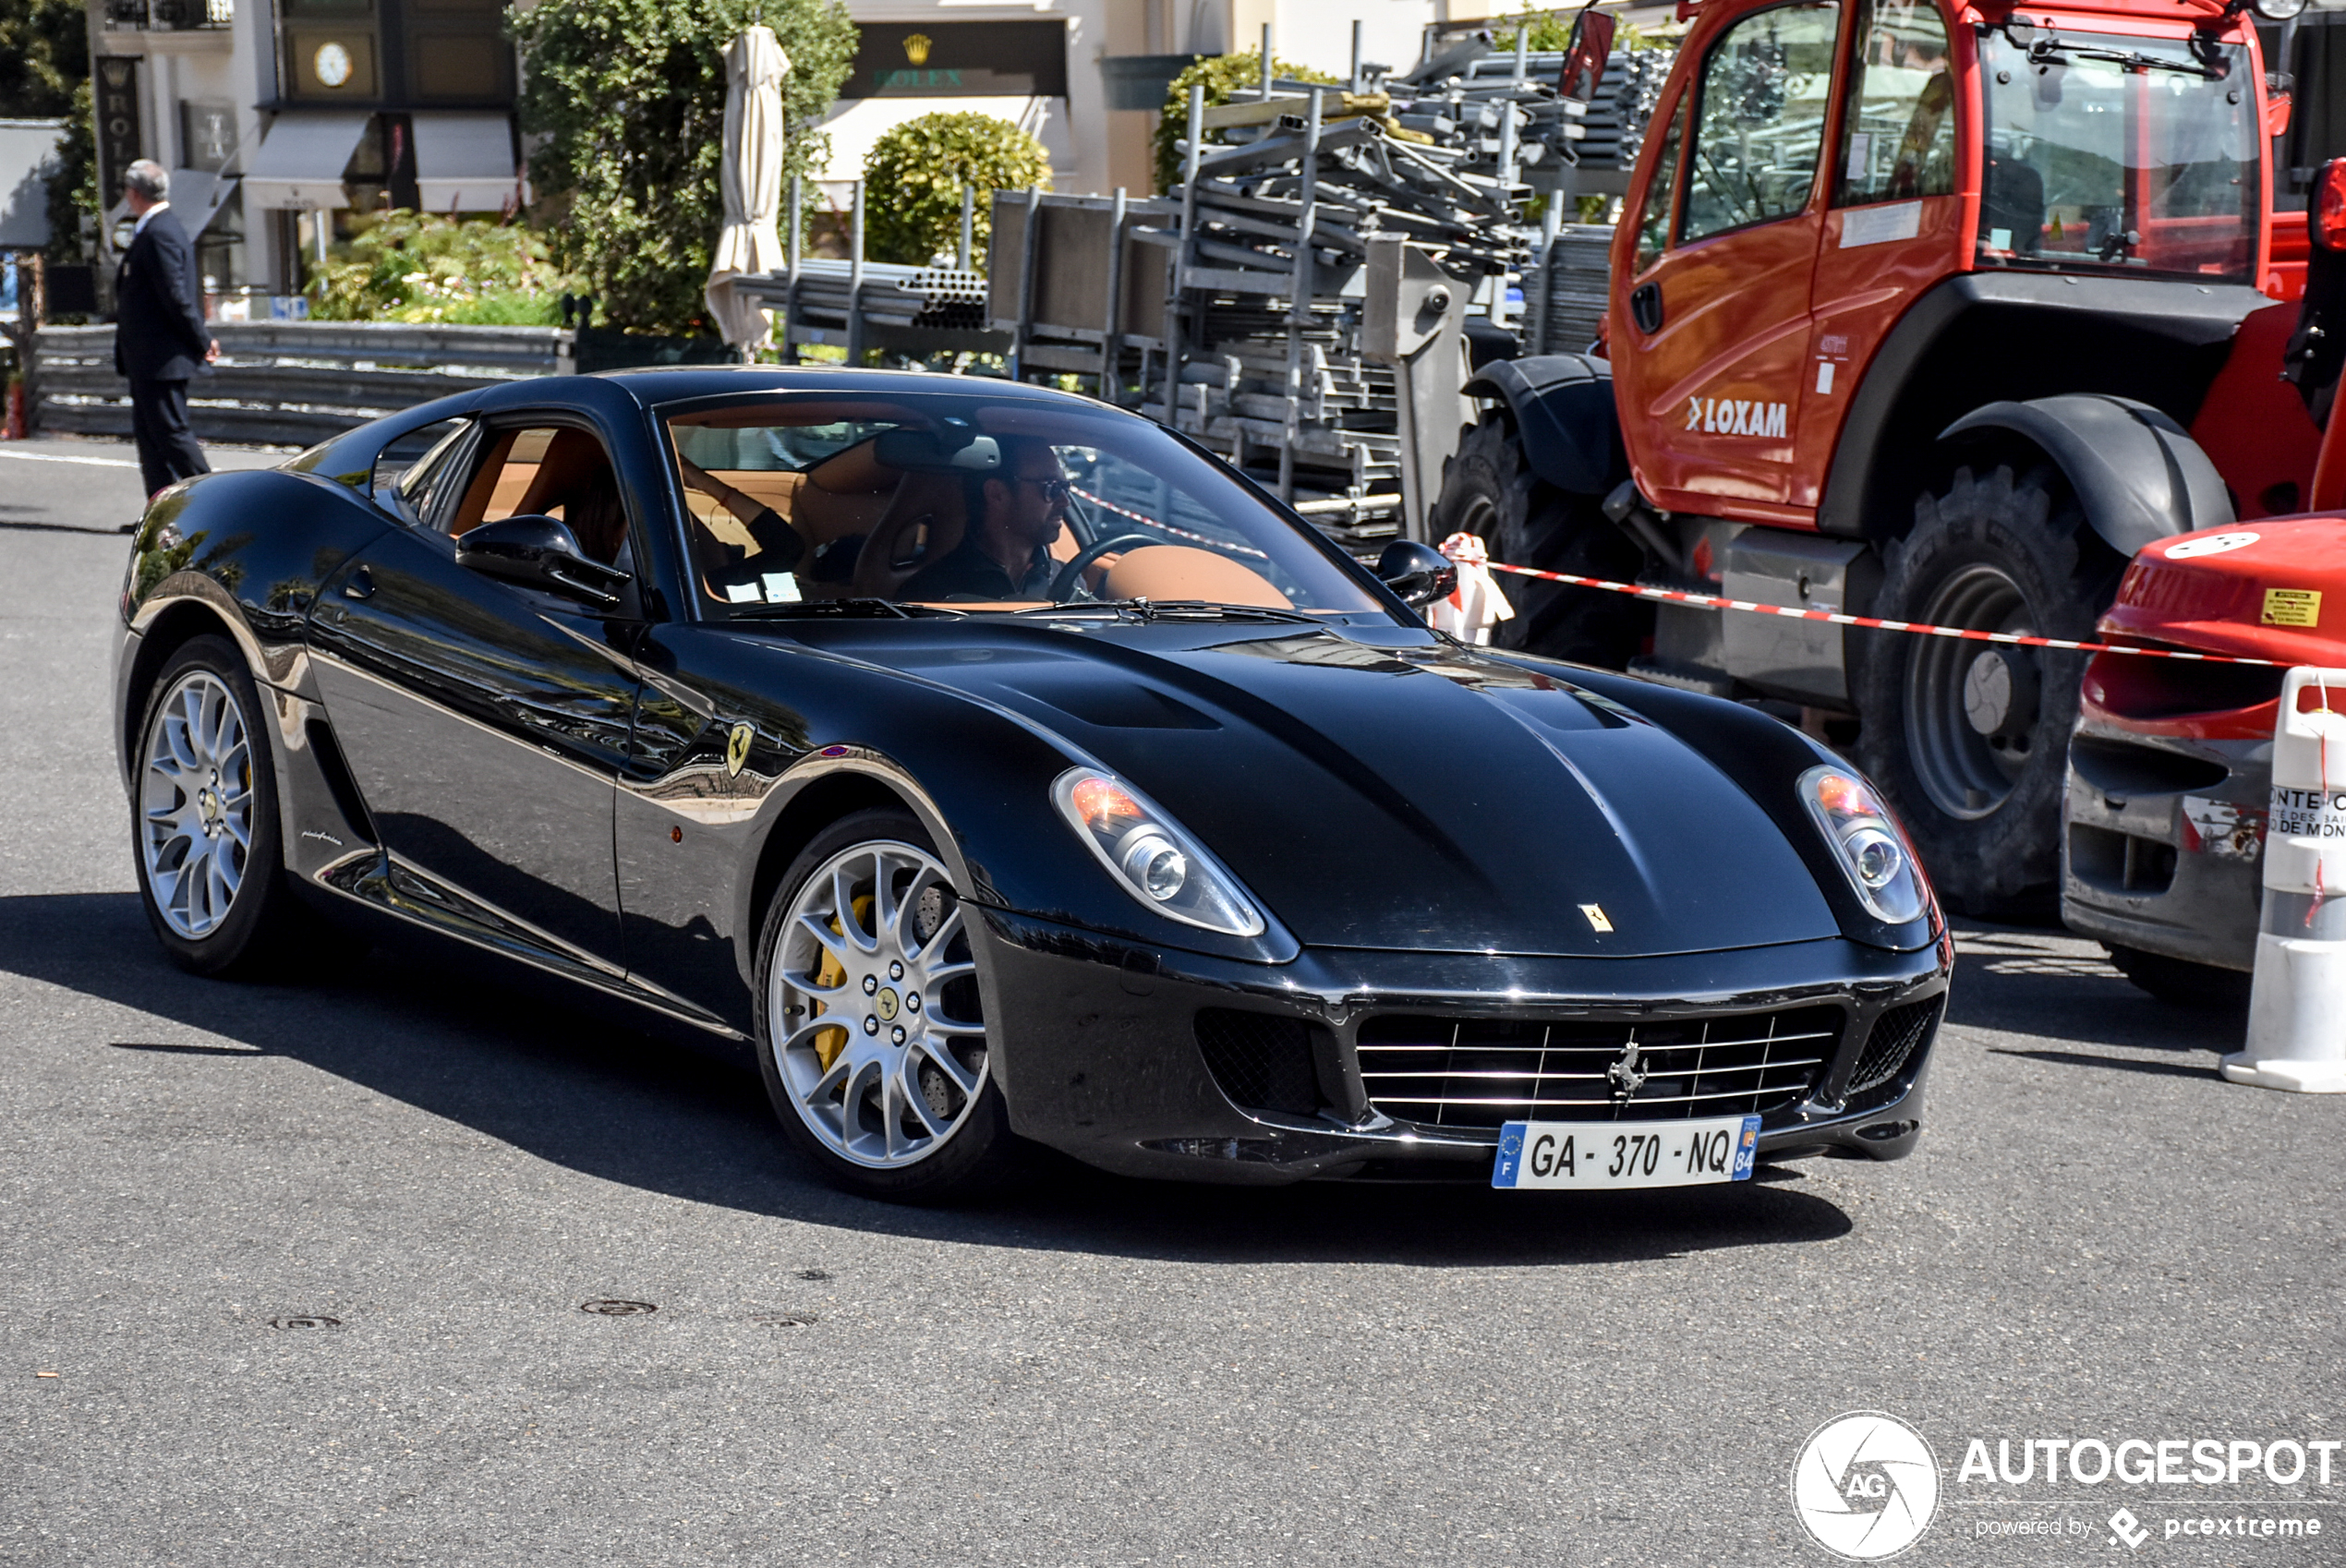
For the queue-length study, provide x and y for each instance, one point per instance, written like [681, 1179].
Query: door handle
[361, 586]
[1645, 308]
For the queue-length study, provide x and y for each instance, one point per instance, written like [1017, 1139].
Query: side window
[1653, 228]
[1761, 120]
[1898, 140]
[555, 471]
[413, 470]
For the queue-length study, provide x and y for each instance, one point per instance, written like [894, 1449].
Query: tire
[1969, 740]
[2182, 981]
[900, 1103]
[206, 836]
[1489, 491]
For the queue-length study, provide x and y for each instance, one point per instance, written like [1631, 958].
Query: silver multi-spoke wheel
[196, 803]
[873, 1017]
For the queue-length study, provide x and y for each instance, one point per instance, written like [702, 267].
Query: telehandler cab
[1936, 313]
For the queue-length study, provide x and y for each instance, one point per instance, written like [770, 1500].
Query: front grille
[1899, 1035]
[1261, 1062]
[1483, 1072]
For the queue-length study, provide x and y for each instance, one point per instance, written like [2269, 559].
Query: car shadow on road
[572, 1084]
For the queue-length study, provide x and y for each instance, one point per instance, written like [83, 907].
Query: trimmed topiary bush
[913, 183]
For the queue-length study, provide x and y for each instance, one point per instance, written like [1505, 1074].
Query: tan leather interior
[1184, 571]
[529, 471]
[571, 459]
[924, 523]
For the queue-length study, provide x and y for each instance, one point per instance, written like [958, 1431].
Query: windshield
[2111, 152]
[938, 502]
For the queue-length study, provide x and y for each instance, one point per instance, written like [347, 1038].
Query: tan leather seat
[924, 524]
[1184, 571]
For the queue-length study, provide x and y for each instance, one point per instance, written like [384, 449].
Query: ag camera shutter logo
[1865, 1486]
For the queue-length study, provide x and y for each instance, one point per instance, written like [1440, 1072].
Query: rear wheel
[2180, 980]
[204, 816]
[1970, 739]
[871, 1031]
[1489, 491]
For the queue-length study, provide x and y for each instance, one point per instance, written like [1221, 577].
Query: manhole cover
[312, 1322]
[617, 1308]
[783, 1320]
[814, 1273]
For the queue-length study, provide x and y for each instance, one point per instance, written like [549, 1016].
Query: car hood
[1414, 796]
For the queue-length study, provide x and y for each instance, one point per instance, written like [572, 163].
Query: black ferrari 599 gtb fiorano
[998, 765]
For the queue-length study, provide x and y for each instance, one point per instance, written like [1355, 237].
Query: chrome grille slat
[1481, 1072]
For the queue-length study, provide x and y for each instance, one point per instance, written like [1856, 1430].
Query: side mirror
[1417, 572]
[1585, 53]
[540, 552]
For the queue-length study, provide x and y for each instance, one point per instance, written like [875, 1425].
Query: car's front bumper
[1101, 1056]
[2163, 842]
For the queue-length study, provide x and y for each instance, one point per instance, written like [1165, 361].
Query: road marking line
[57, 457]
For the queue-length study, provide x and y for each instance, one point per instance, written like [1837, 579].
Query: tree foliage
[415, 267]
[912, 182]
[1221, 75]
[73, 185]
[45, 54]
[630, 96]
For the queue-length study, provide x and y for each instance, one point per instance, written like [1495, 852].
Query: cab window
[1759, 120]
[1898, 140]
[1653, 228]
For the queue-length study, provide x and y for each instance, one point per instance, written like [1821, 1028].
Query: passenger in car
[780, 547]
[1008, 554]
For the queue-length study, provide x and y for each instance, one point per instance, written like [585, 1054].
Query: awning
[300, 160]
[464, 164]
[198, 196]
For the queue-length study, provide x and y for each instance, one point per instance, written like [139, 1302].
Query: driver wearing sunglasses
[1006, 554]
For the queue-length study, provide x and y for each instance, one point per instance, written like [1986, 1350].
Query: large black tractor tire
[1970, 740]
[1488, 489]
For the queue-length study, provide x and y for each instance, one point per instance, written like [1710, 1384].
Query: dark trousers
[167, 449]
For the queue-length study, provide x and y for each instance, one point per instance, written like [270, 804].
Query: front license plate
[1590, 1155]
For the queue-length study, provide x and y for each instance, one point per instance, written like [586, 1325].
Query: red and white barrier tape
[1206, 539]
[1714, 601]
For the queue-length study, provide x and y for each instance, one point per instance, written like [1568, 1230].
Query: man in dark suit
[159, 332]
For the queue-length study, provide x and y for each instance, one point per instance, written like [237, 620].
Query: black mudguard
[1562, 408]
[2137, 473]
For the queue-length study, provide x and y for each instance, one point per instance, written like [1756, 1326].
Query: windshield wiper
[839, 609]
[2055, 52]
[1174, 610]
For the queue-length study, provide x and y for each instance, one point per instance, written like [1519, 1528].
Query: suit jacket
[159, 332]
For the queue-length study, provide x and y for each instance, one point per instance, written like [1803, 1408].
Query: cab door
[1894, 227]
[1713, 336]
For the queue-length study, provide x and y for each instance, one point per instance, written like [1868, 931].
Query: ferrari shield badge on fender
[1597, 918]
[736, 750]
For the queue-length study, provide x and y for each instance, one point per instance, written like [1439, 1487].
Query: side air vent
[339, 783]
[1261, 1061]
[1900, 1038]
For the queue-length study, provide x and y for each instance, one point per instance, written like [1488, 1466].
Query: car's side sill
[382, 883]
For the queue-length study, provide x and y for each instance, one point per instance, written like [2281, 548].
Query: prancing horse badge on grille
[1627, 1075]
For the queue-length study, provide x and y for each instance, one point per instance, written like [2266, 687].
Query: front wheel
[871, 1031]
[1970, 739]
[204, 816]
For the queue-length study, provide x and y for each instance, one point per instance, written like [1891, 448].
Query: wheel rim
[195, 804]
[1971, 710]
[874, 1021]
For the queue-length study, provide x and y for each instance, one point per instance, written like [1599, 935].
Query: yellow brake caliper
[830, 1042]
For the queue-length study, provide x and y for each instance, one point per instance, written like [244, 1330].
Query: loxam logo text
[1733, 416]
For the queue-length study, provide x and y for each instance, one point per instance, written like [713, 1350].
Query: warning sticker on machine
[2307, 814]
[2292, 607]
[2223, 829]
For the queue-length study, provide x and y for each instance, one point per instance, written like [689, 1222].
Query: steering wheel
[1072, 572]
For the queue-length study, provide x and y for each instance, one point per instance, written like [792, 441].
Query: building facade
[280, 118]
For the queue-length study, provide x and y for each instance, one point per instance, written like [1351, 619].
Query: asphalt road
[293, 1274]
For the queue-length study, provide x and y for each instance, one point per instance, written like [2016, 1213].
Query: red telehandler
[1936, 313]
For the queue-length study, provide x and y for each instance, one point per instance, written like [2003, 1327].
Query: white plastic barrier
[2297, 1009]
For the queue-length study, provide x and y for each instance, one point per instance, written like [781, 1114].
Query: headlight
[1870, 846]
[1154, 860]
[2277, 10]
